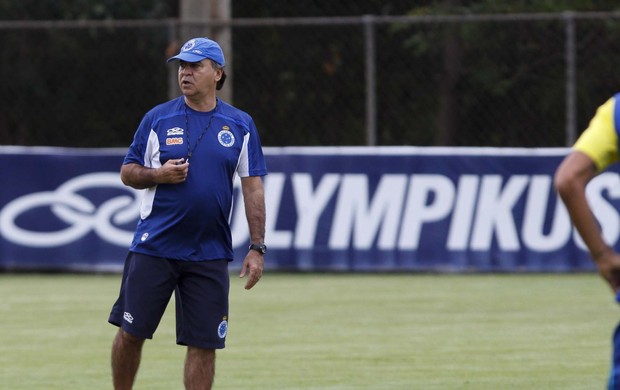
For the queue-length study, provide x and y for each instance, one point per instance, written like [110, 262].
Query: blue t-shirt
[190, 220]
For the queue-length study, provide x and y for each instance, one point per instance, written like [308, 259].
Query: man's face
[198, 78]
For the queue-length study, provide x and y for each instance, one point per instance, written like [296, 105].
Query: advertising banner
[328, 209]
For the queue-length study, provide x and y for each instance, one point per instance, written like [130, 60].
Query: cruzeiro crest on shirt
[226, 137]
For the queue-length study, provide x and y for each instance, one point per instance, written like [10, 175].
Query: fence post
[371, 92]
[173, 84]
[571, 76]
[200, 14]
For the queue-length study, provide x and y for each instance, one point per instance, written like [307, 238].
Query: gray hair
[220, 82]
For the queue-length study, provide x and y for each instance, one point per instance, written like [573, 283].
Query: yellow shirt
[600, 140]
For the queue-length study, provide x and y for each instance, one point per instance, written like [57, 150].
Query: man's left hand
[253, 264]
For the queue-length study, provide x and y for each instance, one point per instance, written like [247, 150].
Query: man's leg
[199, 368]
[126, 352]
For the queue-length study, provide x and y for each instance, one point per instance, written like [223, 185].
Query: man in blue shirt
[185, 155]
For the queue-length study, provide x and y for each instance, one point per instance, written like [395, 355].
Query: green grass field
[325, 331]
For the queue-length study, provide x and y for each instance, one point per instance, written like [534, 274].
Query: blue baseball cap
[197, 49]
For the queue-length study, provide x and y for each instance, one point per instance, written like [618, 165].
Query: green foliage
[286, 8]
[465, 83]
[73, 87]
[87, 9]
[497, 83]
[439, 7]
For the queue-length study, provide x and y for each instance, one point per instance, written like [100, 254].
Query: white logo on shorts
[128, 317]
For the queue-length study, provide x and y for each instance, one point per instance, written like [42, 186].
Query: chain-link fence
[488, 80]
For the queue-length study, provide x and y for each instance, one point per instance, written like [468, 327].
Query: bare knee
[201, 353]
[129, 340]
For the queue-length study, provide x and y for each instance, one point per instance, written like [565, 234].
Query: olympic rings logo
[75, 210]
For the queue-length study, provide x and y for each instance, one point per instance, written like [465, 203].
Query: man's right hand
[174, 171]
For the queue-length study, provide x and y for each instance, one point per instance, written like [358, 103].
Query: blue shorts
[201, 294]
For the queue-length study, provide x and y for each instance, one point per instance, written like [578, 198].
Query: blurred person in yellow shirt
[595, 150]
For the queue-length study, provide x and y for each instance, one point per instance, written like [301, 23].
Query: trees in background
[439, 82]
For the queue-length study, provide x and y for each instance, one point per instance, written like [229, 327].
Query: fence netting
[510, 82]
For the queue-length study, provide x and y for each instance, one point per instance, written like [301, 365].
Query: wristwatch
[260, 248]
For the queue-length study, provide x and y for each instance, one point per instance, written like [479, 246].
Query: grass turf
[329, 331]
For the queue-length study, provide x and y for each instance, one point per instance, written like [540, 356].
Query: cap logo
[189, 45]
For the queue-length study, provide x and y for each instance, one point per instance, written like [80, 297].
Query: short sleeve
[600, 140]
